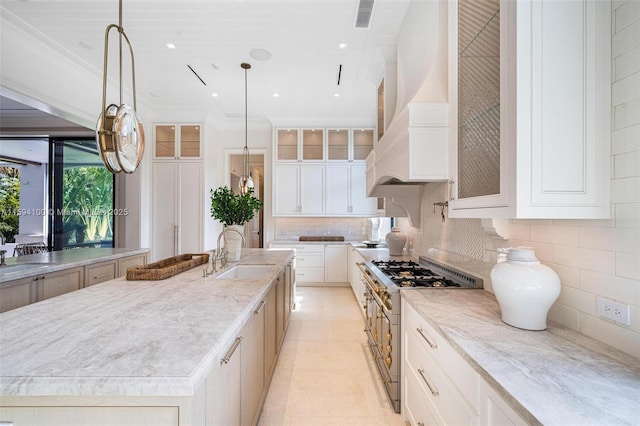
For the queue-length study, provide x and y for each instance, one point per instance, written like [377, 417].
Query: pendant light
[246, 181]
[119, 132]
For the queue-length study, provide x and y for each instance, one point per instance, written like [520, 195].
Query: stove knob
[387, 361]
[388, 349]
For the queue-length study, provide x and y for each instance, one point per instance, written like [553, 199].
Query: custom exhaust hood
[413, 151]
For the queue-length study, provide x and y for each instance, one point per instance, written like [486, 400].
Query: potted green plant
[233, 211]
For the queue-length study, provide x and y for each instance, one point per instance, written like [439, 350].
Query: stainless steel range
[383, 281]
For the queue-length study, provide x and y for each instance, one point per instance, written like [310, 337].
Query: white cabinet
[253, 365]
[328, 177]
[440, 386]
[336, 267]
[309, 263]
[298, 190]
[448, 385]
[177, 199]
[174, 141]
[346, 191]
[531, 123]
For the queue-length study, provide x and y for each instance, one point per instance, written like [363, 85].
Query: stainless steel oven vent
[363, 16]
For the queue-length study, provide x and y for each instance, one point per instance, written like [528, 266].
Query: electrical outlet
[614, 311]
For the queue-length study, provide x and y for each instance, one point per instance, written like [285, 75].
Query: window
[9, 202]
[81, 194]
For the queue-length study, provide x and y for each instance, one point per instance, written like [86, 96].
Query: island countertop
[129, 337]
[44, 263]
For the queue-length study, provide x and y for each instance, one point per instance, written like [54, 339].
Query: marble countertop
[130, 337]
[43, 263]
[556, 376]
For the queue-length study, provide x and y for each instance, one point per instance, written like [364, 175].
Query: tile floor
[325, 374]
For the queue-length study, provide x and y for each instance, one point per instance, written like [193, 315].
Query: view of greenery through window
[87, 201]
[9, 202]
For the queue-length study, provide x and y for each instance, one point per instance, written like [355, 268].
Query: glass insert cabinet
[175, 141]
[323, 144]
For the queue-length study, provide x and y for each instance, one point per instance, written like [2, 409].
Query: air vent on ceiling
[363, 17]
[339, 73]
[196, 74]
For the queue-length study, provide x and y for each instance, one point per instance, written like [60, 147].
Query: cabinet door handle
[231, 351]
[433, 391]
[257, 311]
[433, 345]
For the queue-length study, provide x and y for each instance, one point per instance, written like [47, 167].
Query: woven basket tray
[166, 268]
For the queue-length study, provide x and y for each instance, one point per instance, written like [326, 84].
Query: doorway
[253, 230]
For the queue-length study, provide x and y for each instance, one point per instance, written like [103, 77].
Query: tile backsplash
[353, 229]
[594, 258]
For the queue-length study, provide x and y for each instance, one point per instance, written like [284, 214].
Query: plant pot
[233, 238]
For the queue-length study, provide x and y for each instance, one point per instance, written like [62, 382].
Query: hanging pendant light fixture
[119, 132]
[246, 181]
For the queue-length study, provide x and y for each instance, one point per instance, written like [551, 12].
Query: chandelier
[246, 181]
[119, 132]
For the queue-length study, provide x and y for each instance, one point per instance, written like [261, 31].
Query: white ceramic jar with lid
[396, 241]
[525, 288]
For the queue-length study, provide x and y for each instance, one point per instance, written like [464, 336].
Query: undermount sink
[245, 271]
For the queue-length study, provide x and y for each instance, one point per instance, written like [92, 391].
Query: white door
[312, 189]
[164, 215]
[177, 209]
[337, 189]
[189, 208]
[360, 203]
[285, 190]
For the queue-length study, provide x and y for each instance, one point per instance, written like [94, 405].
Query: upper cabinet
[323, 144]
[329, 177]
[530, 109]
[177, 141]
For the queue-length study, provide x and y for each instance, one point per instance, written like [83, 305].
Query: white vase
[233, 237]
[525, 288]
[395, 241]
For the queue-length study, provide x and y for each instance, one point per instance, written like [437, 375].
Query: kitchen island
[105, 351]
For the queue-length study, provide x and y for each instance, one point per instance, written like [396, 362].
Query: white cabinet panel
[312, 189]
[335, 263]
[554, 114]
[286, 189]
[360, 203]
[177, 208]
[337, 195]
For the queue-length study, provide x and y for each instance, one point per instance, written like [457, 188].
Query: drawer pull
[421, 331]
[99, 277]
[230, 352]
[433, 391]
[257, 311]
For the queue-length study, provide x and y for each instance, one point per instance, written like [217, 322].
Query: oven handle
[372, 286]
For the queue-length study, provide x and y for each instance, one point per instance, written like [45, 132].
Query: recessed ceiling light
[171, 45]
[215, 95]
[342, 45]
[276, 95]
[336, 95]
[260, 54]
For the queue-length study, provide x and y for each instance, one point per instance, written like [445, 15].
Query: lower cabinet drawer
[460, 372]
[417, 409]
[310, 260]
[99, 272]
[437, 387]
[305, 275]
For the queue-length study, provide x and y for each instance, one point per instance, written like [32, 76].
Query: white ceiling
[215, 36]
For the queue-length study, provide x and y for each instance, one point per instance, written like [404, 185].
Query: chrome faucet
[221, 252]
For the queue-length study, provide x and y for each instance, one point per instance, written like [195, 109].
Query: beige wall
[592, 257]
